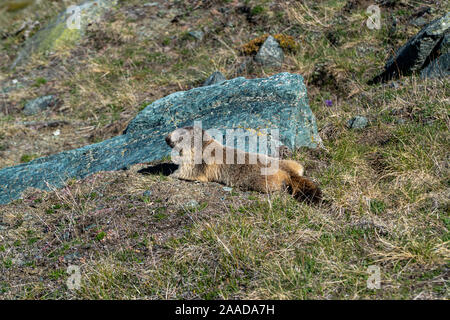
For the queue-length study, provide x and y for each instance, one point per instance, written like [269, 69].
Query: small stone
[197, 34]
[147, 193]
[358, 122]
[270, 53]
[72, 256]
[419, 22]
[40, 104]
[151, 4]
[192, 204]
[216, 78]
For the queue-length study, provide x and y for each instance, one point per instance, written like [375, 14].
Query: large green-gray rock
[279, 101]
[64, 31]
[418, 52]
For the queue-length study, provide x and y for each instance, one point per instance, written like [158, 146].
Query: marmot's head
[186, 140]
[187, 136]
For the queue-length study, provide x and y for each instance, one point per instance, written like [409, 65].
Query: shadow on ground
[165, 169]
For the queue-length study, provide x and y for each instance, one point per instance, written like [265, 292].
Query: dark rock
[38, 105]
[216, 78]
[417, 52]
[279, 101]
[358, 122]
[438, 68]
[270, 54]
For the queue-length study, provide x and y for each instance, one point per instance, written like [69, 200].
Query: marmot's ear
[169, 141]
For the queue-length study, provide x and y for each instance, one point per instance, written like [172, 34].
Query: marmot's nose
[169, 140]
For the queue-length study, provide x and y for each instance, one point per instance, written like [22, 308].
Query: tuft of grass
[28, 157]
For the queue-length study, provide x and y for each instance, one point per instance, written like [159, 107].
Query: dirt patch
[375, 136]
[378, 163]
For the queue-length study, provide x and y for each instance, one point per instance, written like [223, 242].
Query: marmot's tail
[304, 189]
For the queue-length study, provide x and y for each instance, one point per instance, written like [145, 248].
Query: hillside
[138, 233]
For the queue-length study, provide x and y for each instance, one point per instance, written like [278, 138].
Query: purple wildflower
[329, 103]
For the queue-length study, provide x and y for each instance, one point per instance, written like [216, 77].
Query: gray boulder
[358, 122]
[215, 78]
[279, 101]
[39, 104]
[418, 52]
[270, 54]
[197, 34]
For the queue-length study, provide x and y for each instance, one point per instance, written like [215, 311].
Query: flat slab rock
[279, 101]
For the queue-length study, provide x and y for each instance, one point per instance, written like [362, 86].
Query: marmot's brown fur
[287, 175]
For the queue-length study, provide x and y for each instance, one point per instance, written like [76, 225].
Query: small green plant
[377, 206]
[27, 157]
[7, 263]
[160, 213]
[31, 241]
[100, 236]
[56, 274]
[39, 82]
[257, 10]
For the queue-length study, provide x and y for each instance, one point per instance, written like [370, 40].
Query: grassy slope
[387, 186]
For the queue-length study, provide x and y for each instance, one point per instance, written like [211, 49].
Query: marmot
[245, 174]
